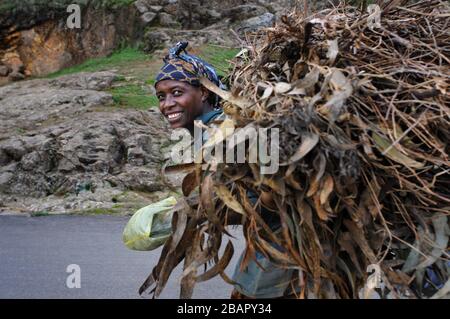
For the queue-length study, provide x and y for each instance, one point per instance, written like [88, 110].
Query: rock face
[243, 12]
[93, 148]
[35, 39]
[61, 138]
[161, 38]
[252, 24]
[29, 105]
[202, 22]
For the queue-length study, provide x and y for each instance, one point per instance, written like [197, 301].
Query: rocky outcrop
[215, 21]
[61, 138]
[161, 38]
[200, 22]
[243, 12]
[255, 23]
[32, 104]
[35, 39]
[121, 148]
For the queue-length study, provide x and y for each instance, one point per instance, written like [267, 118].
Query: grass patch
[143, 68]
[151, 81]
[219, 57]
[99, 211]
[40, 214]
[116, 3]
[117, 59]
[6, 6]
[133, 96]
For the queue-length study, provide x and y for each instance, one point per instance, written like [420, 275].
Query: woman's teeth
[174, 116]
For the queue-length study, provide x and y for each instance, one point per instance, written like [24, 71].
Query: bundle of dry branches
[362, 108]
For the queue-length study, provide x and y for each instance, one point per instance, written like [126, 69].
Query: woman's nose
[169, 102]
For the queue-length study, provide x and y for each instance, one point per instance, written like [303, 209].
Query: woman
[182, 100]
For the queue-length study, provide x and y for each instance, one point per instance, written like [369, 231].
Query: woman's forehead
[166, 85]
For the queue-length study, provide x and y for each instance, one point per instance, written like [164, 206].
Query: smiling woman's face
[180, 102]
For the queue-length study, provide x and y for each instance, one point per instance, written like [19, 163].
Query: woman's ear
[205, 94]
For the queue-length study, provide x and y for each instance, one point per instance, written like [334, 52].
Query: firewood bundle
[361, 104]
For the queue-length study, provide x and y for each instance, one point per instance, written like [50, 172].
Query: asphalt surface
[36, 251]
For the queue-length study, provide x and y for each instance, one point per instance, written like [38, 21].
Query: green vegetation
[40, 214]
[115, 3]
[142, 69]
[219, 57]
[6, 6]
[134, 96]
[119, 58]
[151, 81]
[100, 211]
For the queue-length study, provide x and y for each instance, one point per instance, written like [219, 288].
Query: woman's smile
[174, 117]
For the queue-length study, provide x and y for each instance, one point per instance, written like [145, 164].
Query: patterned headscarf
[188, 68]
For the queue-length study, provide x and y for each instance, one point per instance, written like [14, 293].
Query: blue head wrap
[181, 66]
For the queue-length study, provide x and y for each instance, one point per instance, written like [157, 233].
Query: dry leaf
[229, 200]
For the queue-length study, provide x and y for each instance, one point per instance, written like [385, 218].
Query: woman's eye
[177, 93]
[160, 97]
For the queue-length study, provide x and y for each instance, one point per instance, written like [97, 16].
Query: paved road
[35, 253]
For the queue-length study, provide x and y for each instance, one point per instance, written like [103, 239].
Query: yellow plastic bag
[150, 226]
